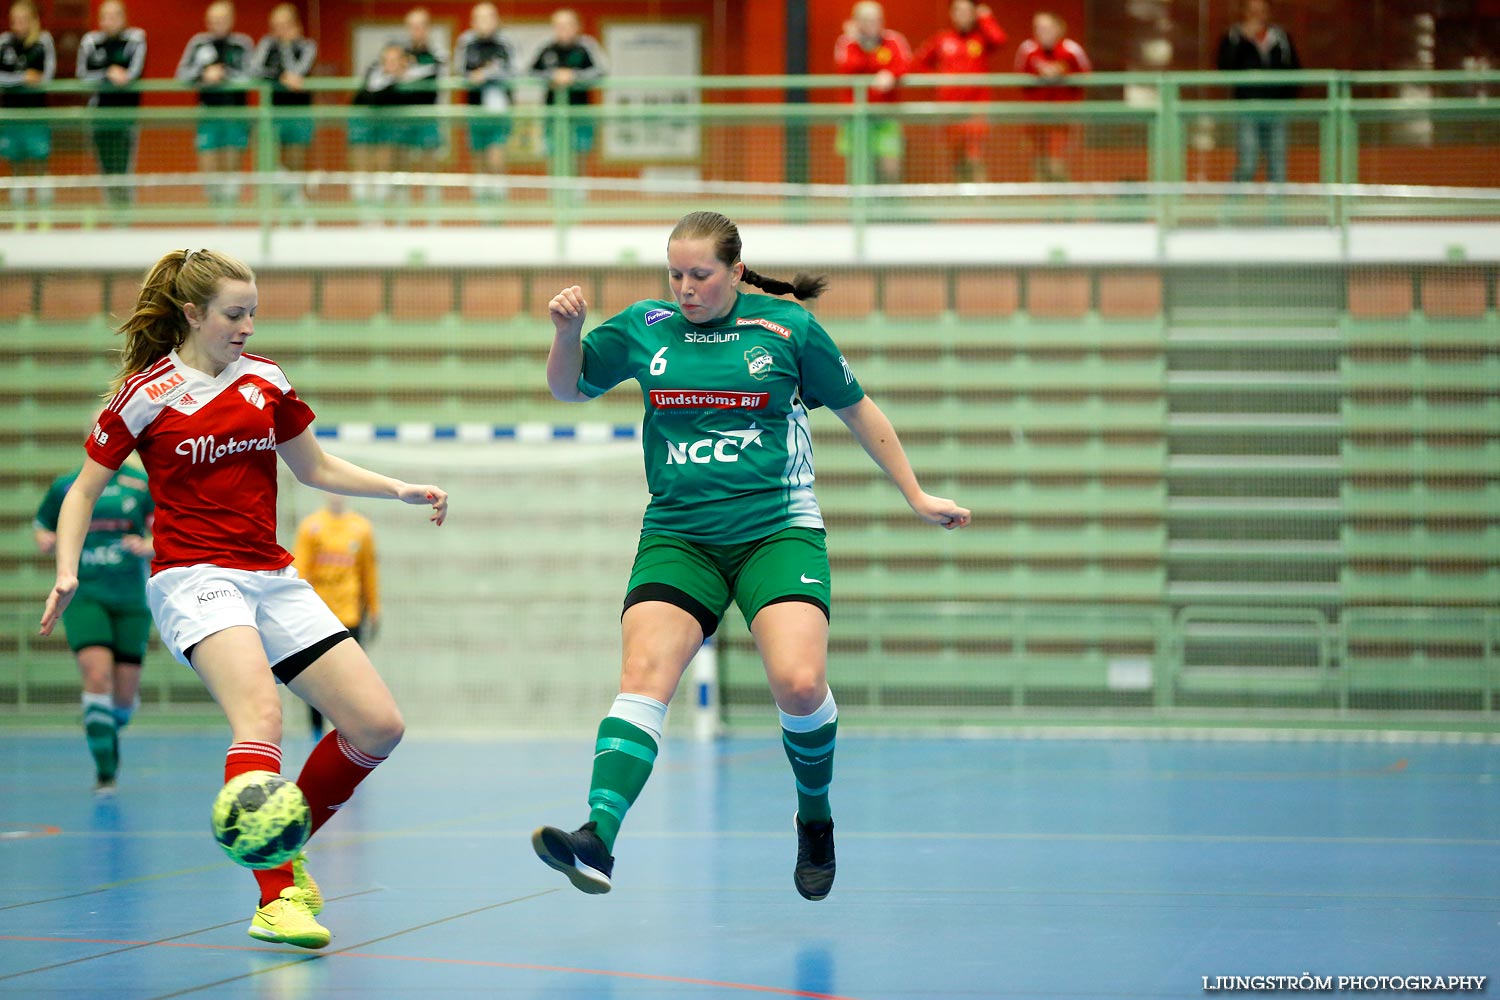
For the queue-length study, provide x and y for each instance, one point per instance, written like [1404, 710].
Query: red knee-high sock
[256, 755]
[330, 775]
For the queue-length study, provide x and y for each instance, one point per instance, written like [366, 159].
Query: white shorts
[191, 603]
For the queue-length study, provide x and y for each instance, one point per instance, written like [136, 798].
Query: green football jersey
[105, 569]
[726, 441]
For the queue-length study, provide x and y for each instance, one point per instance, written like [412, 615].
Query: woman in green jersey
[728, 378]
[108, 623]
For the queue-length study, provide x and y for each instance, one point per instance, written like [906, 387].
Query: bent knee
[378, 734]
[801, 694]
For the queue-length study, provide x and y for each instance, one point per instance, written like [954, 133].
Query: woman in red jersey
[208, 421]
[965, 47]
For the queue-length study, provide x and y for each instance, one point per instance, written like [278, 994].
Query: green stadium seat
[1420, 585]
[986, 294]
[1419, 459]
[352, 295]
[1417, 415]
[1420, 500]
[1418, 544]
[1417, 374]
[1130, 294]
[1418, 332]
[1058, 294]
[70, 297]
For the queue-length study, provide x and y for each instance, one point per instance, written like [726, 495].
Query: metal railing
[1151, 141]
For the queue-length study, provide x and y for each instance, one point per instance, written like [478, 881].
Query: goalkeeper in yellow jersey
[335, 552]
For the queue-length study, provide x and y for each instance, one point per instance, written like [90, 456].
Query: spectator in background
[27, 62]
[965, 47]
[868, 47]
[570, 63]
[1052, 56]
[1255, 43]
[419, 140]
[286, 57]
[112, 59]
[335, 554]
[485, 60]
[370, 132]
[217, 61]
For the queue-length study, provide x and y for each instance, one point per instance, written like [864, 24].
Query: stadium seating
[1126, 457]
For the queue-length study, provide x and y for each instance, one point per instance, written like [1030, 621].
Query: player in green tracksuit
[727, 378]
[109, 622]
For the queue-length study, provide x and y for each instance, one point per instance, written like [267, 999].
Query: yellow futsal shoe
[287, 920]
[311, 894]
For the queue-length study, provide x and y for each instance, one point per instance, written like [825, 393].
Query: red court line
[684, 980]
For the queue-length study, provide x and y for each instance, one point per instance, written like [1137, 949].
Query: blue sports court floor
[991, 868]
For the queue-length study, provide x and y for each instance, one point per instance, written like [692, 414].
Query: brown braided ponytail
[727, 247]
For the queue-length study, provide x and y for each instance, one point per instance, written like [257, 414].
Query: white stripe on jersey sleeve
[267, 369]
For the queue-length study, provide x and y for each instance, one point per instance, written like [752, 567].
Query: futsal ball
[261, 820]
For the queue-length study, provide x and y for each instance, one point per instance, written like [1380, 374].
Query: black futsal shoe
[580, 855]
[815, 863]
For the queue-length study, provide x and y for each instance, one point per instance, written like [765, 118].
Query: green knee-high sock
[623, 756]
[100, 732]
[811, 756]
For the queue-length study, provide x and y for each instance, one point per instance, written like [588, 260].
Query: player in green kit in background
[109, 622]
[727, 378]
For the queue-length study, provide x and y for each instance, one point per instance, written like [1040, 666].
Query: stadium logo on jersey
[160, 389]
[708, 399]
[757, 321]
[655, 316]
[710, 338]
[99, 435]
[848, 372]
[253, 395]
[726, 449]
[208, 449]
[760, 362]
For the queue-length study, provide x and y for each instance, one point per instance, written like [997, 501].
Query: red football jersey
[1031, 58]
[209, 447]
[949, 52]
[893, 53]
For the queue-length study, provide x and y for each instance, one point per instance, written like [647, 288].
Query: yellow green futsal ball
[261, 819]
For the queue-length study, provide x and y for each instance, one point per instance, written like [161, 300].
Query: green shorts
[294, 131]
[124, 628]
[791, 565]
[487, 133]
[418, 135]
[19, 143]
[367, 130]
[214, 135]
[886, 141]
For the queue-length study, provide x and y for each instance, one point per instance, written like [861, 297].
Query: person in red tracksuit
[868, 47]
[965, 47]
[1052, 56]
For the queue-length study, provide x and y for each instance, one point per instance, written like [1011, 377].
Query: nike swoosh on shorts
[805, 579]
